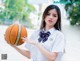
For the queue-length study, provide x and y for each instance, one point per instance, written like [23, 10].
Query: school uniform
[54, 43]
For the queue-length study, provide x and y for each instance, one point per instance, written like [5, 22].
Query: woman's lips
[50, 20]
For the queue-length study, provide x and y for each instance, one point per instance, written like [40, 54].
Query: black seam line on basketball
[10, 33]
[13, 36]
[18, 35]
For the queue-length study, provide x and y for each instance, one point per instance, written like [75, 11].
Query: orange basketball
[14, 33]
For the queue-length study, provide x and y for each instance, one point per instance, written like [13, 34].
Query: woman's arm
[51, 56]
[23, 52]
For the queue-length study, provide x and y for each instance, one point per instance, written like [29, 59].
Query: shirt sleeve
[59, 43]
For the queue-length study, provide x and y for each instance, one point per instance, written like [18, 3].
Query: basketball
[14, 33]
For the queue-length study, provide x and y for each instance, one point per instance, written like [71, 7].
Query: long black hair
[58, 23]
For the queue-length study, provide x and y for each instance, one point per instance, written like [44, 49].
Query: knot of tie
[43, 36]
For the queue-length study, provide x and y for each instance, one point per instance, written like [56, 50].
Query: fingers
[24, 39]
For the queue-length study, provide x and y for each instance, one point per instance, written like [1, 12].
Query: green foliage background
[72, 8]
[17, 10]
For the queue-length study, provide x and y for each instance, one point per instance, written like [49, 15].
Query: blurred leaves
[17, 10]
[73, 11]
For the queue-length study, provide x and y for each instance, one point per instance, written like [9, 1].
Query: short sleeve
[59, 43]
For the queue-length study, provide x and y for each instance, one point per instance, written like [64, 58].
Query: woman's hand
[25, 39]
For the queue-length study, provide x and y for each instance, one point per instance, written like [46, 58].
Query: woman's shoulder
[59, 33]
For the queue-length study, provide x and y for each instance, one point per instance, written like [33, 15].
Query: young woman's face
[51, 17]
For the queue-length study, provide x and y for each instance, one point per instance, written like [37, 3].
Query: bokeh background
[29, 13]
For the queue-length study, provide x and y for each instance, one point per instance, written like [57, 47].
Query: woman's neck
[48, 27]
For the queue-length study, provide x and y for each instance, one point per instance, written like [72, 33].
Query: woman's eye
[54, 15]
[48, 14]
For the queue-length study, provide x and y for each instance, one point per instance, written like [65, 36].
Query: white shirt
[55, 43]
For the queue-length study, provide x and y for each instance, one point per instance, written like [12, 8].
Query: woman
[47, 43]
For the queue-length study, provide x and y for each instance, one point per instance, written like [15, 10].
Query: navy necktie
[43, 36]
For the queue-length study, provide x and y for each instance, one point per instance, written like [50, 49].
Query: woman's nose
[51, 16]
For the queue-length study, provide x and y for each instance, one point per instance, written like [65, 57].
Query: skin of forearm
[51, 56]
[23, 52]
